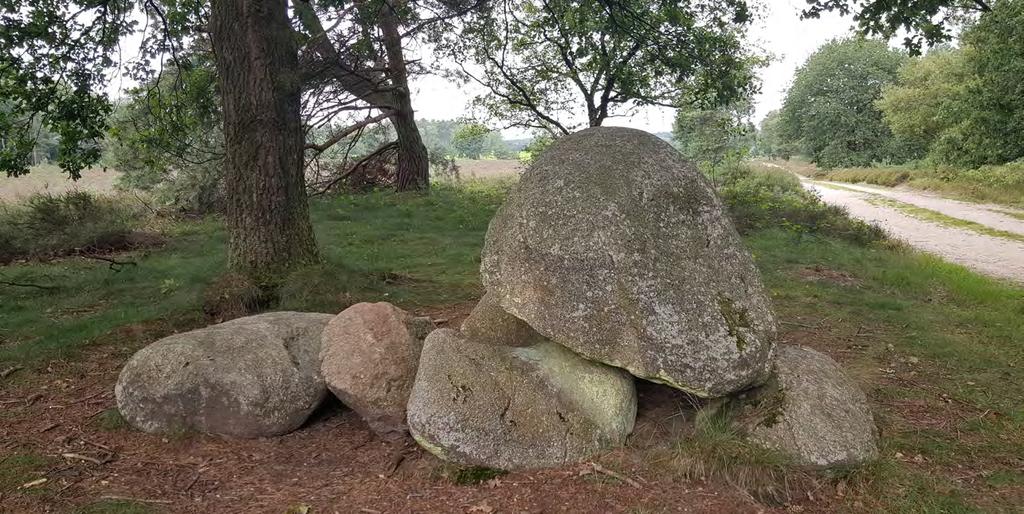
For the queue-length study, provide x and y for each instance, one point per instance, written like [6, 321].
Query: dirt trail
[994, 256]
[987, 214]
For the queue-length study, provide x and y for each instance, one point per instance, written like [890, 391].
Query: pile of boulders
[611, 260]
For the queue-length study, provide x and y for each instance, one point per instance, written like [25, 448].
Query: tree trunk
[257, 65]
[413, 171]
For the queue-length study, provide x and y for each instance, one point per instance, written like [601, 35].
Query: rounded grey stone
[516, 407]
[816, 413]
[615, 246]
[256, 376]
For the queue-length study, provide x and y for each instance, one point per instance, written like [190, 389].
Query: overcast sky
[781, 33]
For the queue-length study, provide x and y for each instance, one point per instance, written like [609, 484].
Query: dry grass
[50, 179]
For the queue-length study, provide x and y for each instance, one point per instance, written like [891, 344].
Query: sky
[780, 32]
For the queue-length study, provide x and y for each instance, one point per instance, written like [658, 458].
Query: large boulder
[257, 376]
[489, 323]
[616, 247]
[815, 413]
[516, 407]
[368, 359]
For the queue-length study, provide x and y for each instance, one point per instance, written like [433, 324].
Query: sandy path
[993, 256]
[986, 214]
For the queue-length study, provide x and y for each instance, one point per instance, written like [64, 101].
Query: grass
[413, 250]
[18, 468]
[1013, 214]
[716, 450]
[960, 407]
[937, 348]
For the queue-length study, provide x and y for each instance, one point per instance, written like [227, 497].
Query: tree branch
[346, 131]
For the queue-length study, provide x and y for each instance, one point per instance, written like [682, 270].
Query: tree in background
[769, 141]
[994, 113]
[713, 137]
[829, 113]
[545, 64]
[54, 61]
[965, 107]
[927, 22]
[925, 103]
[470, 140]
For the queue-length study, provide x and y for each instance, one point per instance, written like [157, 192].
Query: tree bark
[257, 65]
[413, 169]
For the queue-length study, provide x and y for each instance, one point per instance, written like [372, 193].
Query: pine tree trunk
[257, 65]
[413, 164]
[413, 171]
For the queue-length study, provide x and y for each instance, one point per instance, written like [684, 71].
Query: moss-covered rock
[812, 411]
[480, 404]
[616, 247]
[256, 376]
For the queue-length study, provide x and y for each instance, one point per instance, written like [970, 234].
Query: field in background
[50, 179]
[488, 168]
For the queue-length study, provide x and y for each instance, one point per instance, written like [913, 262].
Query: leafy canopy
[830, 113]
[711, 137]
[965, 107]
[555, 65]
[53, 59]
[926, 22]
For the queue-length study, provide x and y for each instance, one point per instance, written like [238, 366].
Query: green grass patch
[963, 328]
[717, 450]
[19, 468]
[110, 420]
[411, 249]
[1013, 214]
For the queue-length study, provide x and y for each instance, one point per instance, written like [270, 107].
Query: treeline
[858, 102]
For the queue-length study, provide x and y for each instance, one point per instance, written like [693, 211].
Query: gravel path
[986, 214]
[993, 256]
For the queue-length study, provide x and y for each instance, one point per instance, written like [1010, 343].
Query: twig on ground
[192, 482]
[130, 499]
[34, 483]
[78, 456]
[28, 284]
[98, 445]
[605, 471]
[5, 373]
[49, 427]
[784, 322]
[115, 265]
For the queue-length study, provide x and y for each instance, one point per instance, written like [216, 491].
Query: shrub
[773, 198]
[48, 225]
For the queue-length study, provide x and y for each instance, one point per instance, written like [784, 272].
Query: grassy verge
[937, 348]
[1002, 185]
